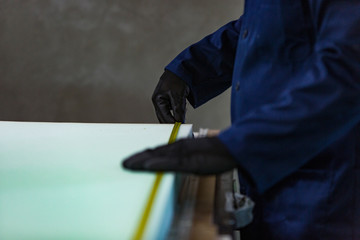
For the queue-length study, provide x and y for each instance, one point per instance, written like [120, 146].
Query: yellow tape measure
[145, 216]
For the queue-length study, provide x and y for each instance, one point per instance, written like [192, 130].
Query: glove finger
[179, 108]
[137, 161]
[162, 164]
[163, 109]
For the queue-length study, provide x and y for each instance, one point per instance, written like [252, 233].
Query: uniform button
[237, 86]
[245, 34]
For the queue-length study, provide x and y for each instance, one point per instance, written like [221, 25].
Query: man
[294, 67]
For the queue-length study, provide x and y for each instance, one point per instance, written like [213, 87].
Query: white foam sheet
[65, 180]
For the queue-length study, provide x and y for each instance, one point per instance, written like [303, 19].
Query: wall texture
[99, 61]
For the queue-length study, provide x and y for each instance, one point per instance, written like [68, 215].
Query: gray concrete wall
[99, 61]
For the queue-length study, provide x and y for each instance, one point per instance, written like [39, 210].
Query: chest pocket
[285, 28]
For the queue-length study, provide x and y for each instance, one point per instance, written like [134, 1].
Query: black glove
[199, 156]
[170, 95]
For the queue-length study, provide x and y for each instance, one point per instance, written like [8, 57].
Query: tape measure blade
[145, 216]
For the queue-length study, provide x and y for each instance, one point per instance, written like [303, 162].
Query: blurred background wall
[99, 61]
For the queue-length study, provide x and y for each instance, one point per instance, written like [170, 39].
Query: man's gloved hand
[169, 98]
[199, 156]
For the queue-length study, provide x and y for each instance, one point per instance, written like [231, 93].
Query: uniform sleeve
[276, 139]
[207, 65]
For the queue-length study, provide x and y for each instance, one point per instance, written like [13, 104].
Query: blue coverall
[294, 67]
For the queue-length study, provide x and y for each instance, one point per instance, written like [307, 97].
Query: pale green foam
[65, 180]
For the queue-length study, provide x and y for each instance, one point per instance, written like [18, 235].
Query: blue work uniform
[294, 67]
